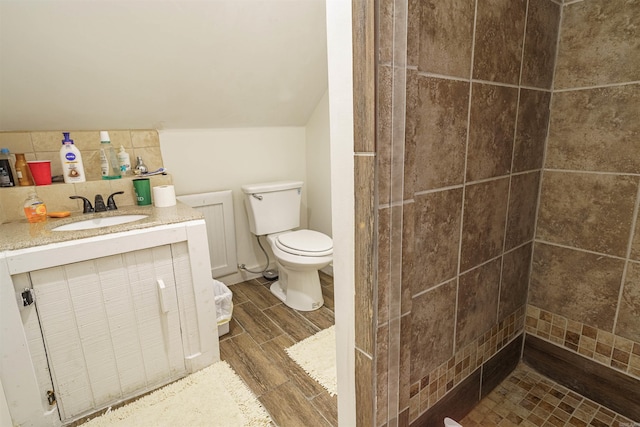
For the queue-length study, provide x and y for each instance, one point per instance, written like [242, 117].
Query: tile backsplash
[46, 146]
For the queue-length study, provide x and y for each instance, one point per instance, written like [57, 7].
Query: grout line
[602, 86]
[592, 172]
[464, 177]
[560, 245]
[634, 221]
[481, 81]
[544, 161]
[478, 181]
[513, 155]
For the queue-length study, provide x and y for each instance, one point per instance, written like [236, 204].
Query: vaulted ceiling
[105, 64]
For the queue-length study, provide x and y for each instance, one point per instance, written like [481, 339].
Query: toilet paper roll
[164, 196]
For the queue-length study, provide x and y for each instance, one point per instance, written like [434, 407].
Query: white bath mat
[317, 356]
[214, 396]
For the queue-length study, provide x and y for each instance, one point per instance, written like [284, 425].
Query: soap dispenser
[71, 159]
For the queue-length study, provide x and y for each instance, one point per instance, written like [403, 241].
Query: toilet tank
[273, 207]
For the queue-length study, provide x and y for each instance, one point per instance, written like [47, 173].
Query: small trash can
[224, 306]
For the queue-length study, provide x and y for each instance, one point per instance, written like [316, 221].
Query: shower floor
[527, 398]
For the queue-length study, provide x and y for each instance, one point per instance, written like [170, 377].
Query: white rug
[317, 356]
[212, 397]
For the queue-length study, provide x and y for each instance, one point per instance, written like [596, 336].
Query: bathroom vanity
[91, 318]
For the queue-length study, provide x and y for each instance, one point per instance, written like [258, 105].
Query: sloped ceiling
[139, 64]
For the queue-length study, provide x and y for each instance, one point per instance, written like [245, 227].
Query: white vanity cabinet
[110, 326]
[113, 317]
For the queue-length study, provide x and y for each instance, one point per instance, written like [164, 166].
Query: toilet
[273, 210]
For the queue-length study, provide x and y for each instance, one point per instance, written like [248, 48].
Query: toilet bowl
[273, 210]
[299, 255]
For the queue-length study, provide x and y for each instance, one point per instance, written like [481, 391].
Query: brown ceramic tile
[437, 237]
[628, 324]
[383, 133]
[485, 208]
[404, 385]
[413, 32]
[410, 130]
[635, 246]
[498, 40]
[531, 130]
[522, 209]
[608, 127]
[385, 31]
[364, 70]
[327, 406]
[364, 371]
[572, 410]
[432, 329]
[382, 373]
[446, 35]
[477, 302]
[543, 20]
[384, 234]
[587, 211]
[515, 280]
[440, 133]
[598, 44]
[491, 127]
[407, 258]
[578, 285]
[364, 249]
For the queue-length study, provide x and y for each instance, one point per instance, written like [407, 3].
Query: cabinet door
[110, 330]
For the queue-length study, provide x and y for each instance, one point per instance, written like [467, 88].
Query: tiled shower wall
[462, 183]
[585, 281]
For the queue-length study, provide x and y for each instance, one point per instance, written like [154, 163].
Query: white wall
[204, 160]
[340, 77]
[319, 168]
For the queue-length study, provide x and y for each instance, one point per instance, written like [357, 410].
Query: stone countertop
[22, 234]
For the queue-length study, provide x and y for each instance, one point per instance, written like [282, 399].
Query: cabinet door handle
[164, 296]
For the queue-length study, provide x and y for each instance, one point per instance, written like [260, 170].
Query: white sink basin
[99, 222]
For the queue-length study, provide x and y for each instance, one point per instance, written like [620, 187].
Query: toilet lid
[305, 242]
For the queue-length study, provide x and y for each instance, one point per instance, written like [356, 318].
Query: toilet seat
[305, 243]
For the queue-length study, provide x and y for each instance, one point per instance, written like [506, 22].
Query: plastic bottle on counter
[71, 159]
[4, 178]
[108, 159]
[34, 209]
[22, 170]
[125, 161]
[7, 179]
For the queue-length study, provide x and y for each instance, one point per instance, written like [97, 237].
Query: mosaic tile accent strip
[529, 399]
[601, 346]
[434, 386]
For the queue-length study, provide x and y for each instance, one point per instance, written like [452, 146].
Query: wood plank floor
[260, 329]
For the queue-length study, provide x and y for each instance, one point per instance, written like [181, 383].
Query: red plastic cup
[41, 171]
